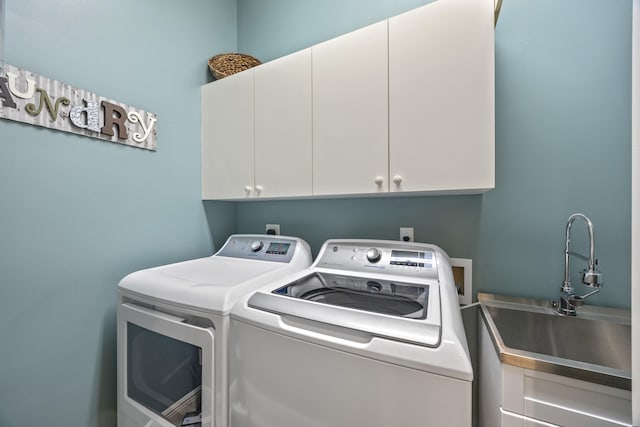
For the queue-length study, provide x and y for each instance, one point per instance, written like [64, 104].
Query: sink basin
[599, 342]
[595, 346]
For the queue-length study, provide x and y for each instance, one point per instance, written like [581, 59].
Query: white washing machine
[173, 327]
[370, 335]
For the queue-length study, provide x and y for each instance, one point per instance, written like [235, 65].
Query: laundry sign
[36, 100]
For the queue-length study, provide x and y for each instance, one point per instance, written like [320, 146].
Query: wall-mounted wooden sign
[29, 98]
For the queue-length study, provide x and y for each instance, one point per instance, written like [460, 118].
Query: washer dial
[374, 255]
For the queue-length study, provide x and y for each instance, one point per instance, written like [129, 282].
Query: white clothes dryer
[370, 335]
[173, 330]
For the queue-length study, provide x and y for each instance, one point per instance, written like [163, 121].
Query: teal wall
[271, 28]
[1, 31]
[563, 144]
[77, 214]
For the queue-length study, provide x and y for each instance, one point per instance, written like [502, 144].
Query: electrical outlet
[406, 234]
[273, 229]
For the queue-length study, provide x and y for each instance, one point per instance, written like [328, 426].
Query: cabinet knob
[258, 188]
[248, 188]
[397, 179]
[378, 180]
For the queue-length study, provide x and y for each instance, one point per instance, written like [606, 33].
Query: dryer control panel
[408, 259]
[262, 247]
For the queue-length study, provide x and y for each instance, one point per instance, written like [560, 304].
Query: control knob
[256, 246]
[374, 255]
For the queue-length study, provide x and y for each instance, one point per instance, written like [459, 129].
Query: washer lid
[399, 311]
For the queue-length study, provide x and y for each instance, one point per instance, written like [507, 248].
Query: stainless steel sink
[585, 340]
[594, 348]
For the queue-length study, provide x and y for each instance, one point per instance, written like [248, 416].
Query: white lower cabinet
[509, 419]
[511, 396]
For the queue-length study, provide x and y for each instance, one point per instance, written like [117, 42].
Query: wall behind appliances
[563, 145]
[273, 28]
[77, 214]
[1, 32]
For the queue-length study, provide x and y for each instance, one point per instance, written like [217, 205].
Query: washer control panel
[267, 248]
[413, 259]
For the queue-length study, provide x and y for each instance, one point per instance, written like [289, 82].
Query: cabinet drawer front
[568, 402]
[510, 419]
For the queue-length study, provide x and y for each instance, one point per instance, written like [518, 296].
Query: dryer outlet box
[406, 234]
[273, 229]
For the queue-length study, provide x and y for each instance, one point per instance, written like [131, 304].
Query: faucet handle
[576, 300]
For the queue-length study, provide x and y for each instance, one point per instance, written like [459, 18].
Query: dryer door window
[164, 374]
[165, 368]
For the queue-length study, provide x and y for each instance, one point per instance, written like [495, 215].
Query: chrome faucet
[590, 275]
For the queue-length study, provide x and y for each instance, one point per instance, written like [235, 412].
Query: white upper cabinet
[283, 126]
[402, 106]
[227, 139]
[256, 131]
[350, 113]
[441, 97]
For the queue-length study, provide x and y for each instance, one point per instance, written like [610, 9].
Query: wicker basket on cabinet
[226, 64]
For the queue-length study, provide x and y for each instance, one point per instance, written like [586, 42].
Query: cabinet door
[490, 383]
[350, 113]
[228, 146]
[283, 126]
[205, 140]
[441, 97]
